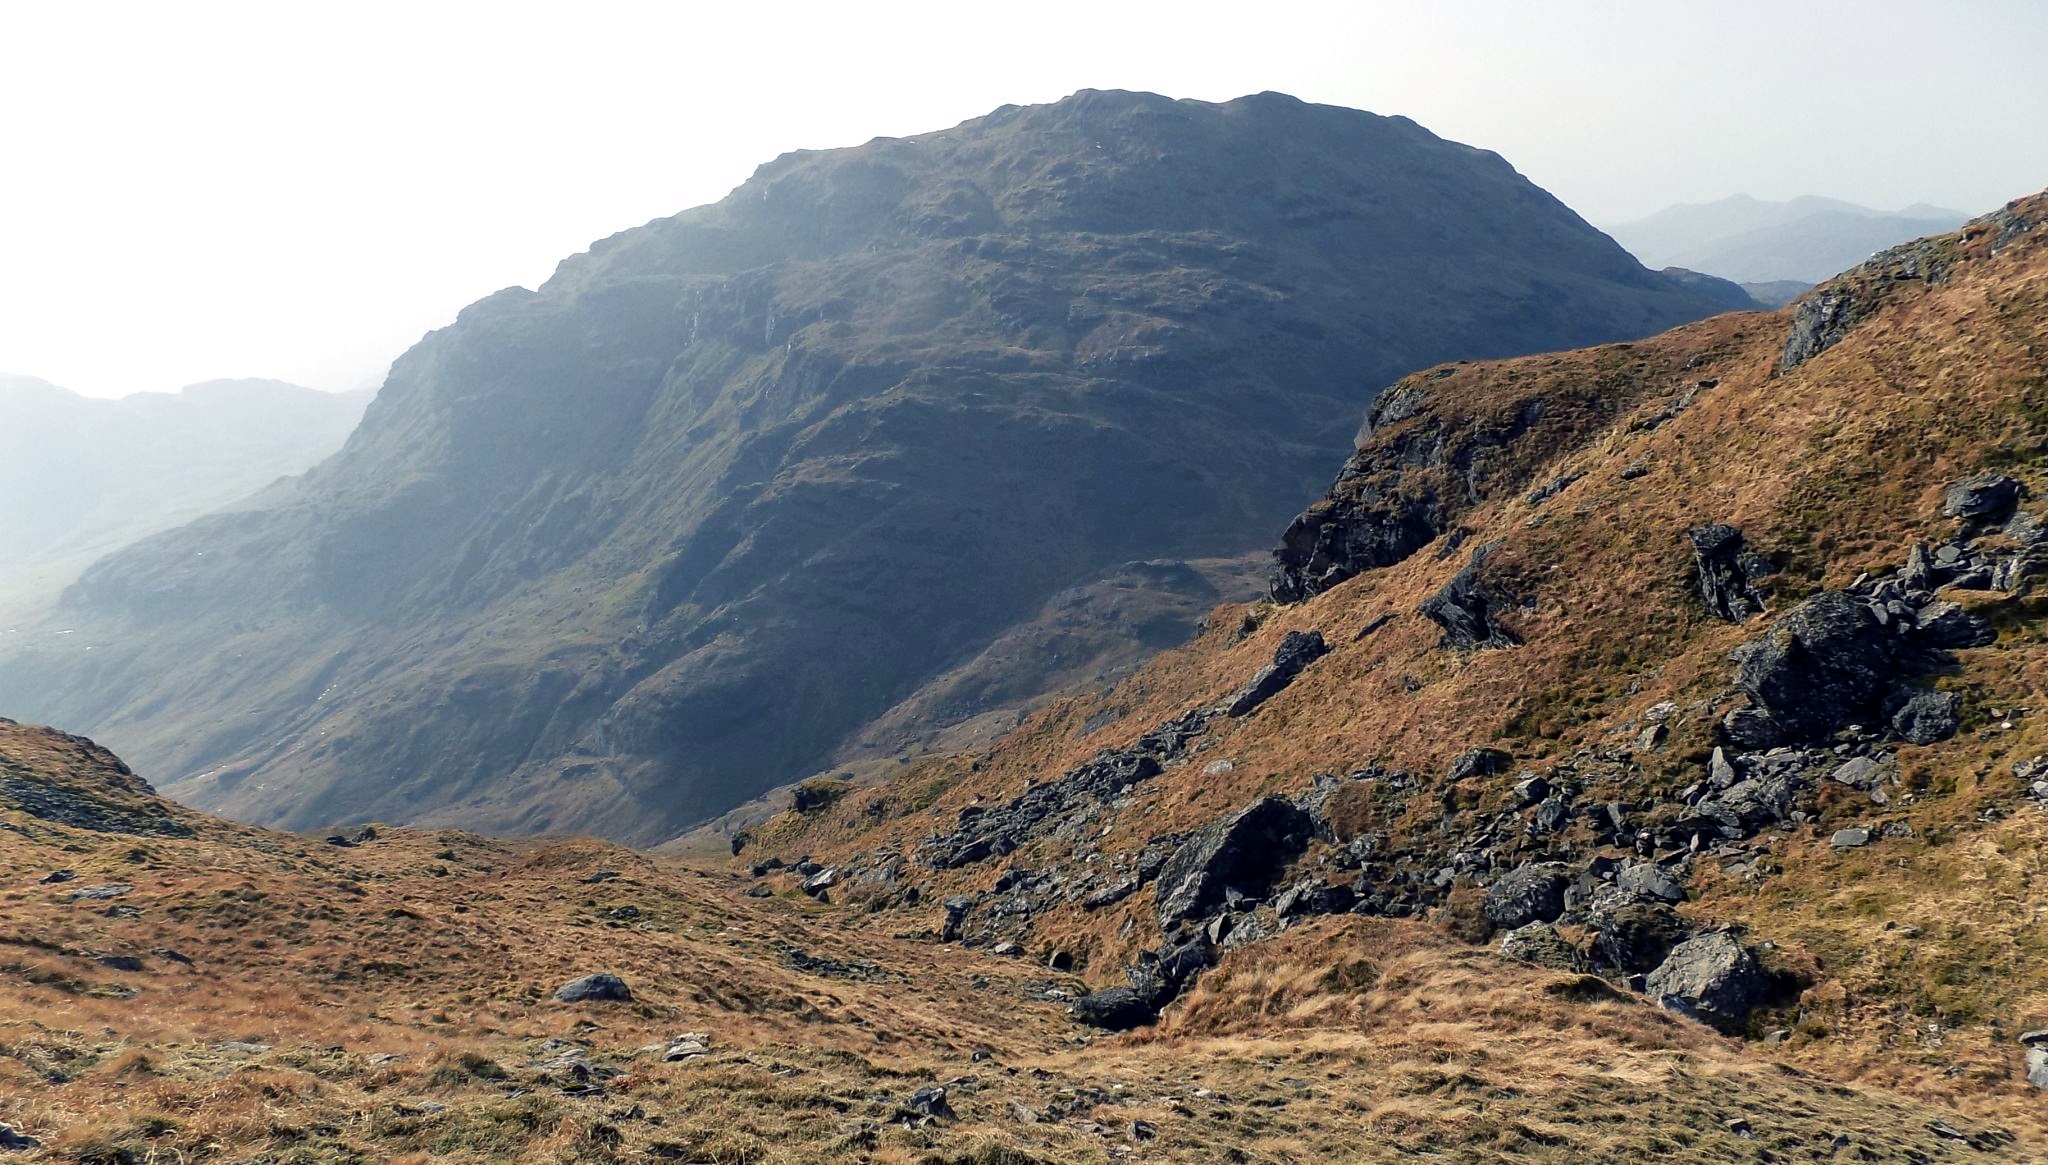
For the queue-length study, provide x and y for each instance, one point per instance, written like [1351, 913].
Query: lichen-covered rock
[1824, 663]
[1927, 717]
[1540, 944]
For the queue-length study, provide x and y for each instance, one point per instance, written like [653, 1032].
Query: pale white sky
[194, 189]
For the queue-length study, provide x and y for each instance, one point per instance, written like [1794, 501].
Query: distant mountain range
[84, 476]
[1752, 241]
[735, 493]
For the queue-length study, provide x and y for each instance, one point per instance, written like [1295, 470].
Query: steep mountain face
[621, 552]
[1753, 241]
[1709, 664]
[83, 476]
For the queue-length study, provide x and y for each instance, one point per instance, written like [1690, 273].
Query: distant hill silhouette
[84, 476]
[1750, 240]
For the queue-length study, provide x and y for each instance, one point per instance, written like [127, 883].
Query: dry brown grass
[391, 1000]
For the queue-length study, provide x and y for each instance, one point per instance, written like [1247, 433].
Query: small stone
[1740, 1128]
[1928, 717]
[120, 962]
[930, 1102]
[1023, 1113]
[606, 876]
[598, 988]
[687, 1046]
[1142, 1131]
[15, 1141]
[1720, 772]
[1859, 772]
[95, 893]
[59, 876]
[1850, 838]
[816, 885]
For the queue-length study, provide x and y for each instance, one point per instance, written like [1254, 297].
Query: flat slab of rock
[598, 988]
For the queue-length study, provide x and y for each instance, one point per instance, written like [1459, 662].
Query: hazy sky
[192, 190]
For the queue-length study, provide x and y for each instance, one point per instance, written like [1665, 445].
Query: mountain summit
[621, 552]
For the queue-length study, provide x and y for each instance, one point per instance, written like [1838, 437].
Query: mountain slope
[83, 477]
[225, 993]
[1710, 664]
[620, 553]
[1752, 241]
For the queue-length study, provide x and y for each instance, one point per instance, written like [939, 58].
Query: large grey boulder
[1532, 892]
[1243, 852]
[598, 988]
[1649, 881]
[1712, 978]
[1634, 937]
[1825, 663]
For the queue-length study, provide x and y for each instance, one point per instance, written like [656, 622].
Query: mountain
[1777, 292]
[1749, 240]
[1704, 668]
[85, 476]
[620, 553]
[180, 987]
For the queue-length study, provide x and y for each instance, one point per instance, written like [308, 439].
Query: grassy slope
[1923, 952]
[388, 1002]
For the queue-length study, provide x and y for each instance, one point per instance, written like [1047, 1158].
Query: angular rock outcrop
[1468, 610]
[1243, 853]
[1986, 498]
[1727, 572]
[1297, 650]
